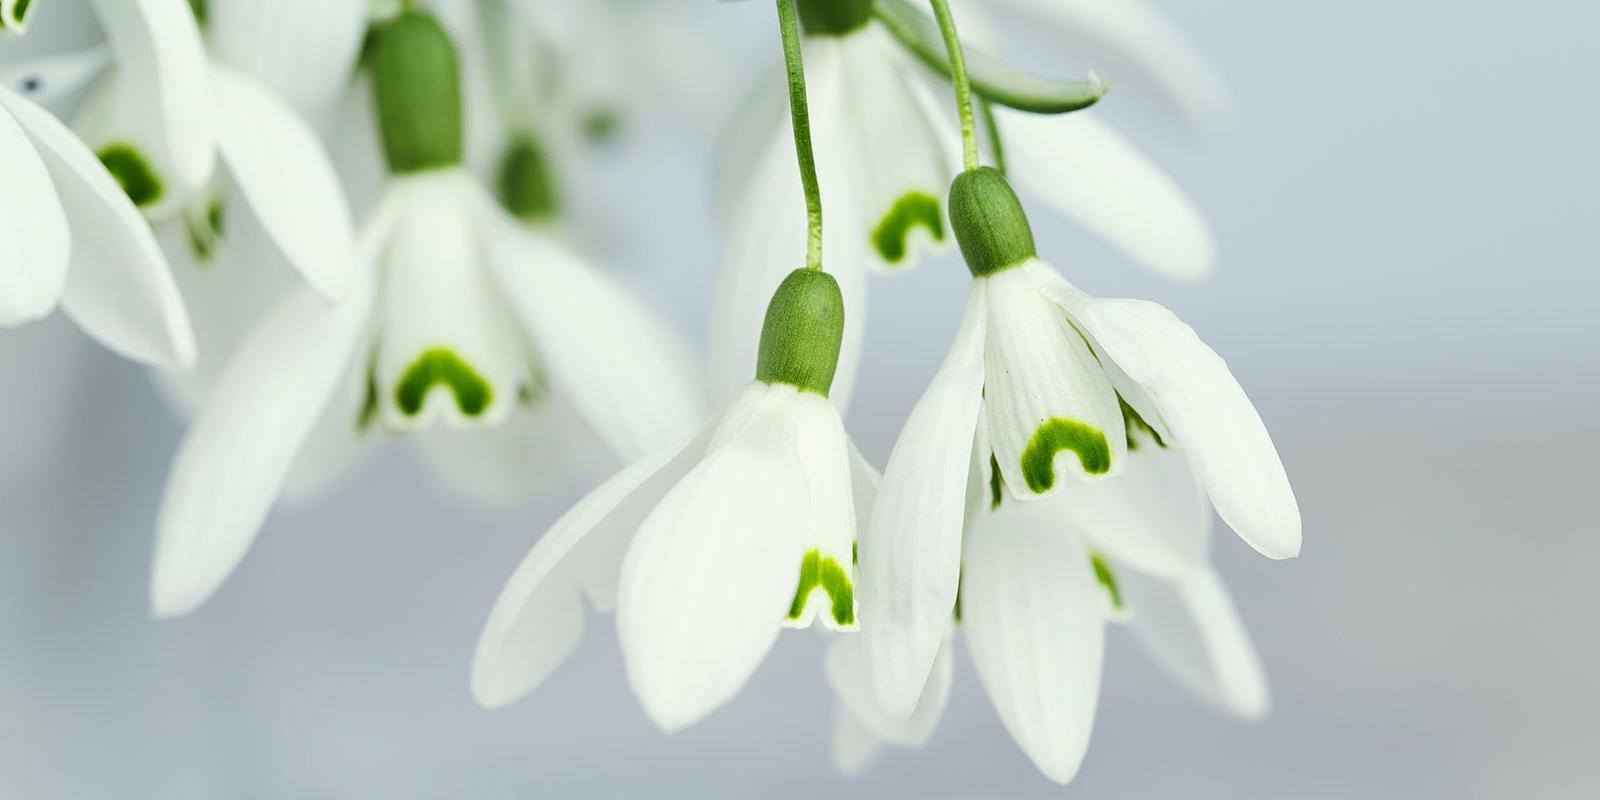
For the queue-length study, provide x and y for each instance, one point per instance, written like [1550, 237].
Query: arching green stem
[800, 115]
[958, 74]
[997, 148]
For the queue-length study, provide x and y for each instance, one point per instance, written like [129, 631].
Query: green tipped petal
[1107, 578]
[912, 209]
[441, 366]
[829, 576]
[1054, 436]
[133, 173]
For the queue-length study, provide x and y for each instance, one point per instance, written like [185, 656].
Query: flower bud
[417, 89]
[804, 327]
[834, 17]
[989, 222]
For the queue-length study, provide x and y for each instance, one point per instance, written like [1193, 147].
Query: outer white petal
[854, 745]
[1083, 169]
[1192, 629]
[627, 372]
[1181, 385]
[911, 552]
[538, 618]
[850, 675]
[766, 236]
[1051, 412]
[711, 573]
[1034, 617]
[34, 240]
[1154, 517]
[232, 464]
[1138, 30]
[162, 95]
[449, 349]
[50, 79]
[118, 287]
[303, 50]
[280, 169]
[906, 166]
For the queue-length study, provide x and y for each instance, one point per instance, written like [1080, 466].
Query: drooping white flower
[884, 149]
[1053, 378]
[459, 317]
[69, 235]
[708, 548]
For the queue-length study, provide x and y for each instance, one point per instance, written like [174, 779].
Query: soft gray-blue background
[1407, 210]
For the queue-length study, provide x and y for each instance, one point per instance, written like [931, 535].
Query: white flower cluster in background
[327, 224]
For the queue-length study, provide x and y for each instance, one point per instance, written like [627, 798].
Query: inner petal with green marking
[1056, 435]
[891, 237]
[442, 367]
[1107, 579]
[133, 173]
[825, 586]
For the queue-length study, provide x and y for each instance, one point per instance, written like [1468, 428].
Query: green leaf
[992, 78]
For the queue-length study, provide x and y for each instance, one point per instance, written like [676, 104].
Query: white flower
[885, 151]
[709, 548]
[1034, 603]
[1046, 373]
[69, 235]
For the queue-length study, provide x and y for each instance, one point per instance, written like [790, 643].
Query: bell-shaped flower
[460, 317]
[1055, 378]
[708, 548]
[70, 236]
[883, 147]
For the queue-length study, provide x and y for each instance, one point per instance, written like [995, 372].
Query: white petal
[1154, 516]
[538, 618]
[280, 169]
[52, 79]
[627, 372]
[766, 235]
[1138, 31]
[710, 576]
[830, 516]
[1084, 170]
[161, 98]
[850, 675]
[304, 51]
[34, 240]
[911, 552]
[854, 746]
[1050, 410]
[1034, 616]
[118, 286]
[1191, 394]
[449, 349]
[232, 463]
[906, 164]
[538, 451]
[1192, 629]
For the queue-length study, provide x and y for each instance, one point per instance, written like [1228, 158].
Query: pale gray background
[1407, 210]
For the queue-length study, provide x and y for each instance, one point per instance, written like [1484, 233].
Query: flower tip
[1102, 85]
[169, 601]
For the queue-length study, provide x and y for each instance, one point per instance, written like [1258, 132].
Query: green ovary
[1055, 435]
[125, 163]
[817, 571]
[911, 210]
[442, 366]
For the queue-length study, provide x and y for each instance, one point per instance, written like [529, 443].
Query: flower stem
[958, 73]
[800, 116]
[997, 148]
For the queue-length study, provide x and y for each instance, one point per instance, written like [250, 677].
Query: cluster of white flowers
[1059, 474]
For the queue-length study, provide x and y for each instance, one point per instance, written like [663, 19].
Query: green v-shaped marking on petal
[911, 210]
[440, 365]
[133, 173]
[825, 573]
[1055, 435]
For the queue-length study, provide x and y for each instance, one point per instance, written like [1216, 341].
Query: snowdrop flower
[70, 236]
[890, 149]
[459, 317]
[709, 548]
[1048, 372]
[1034, 602]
